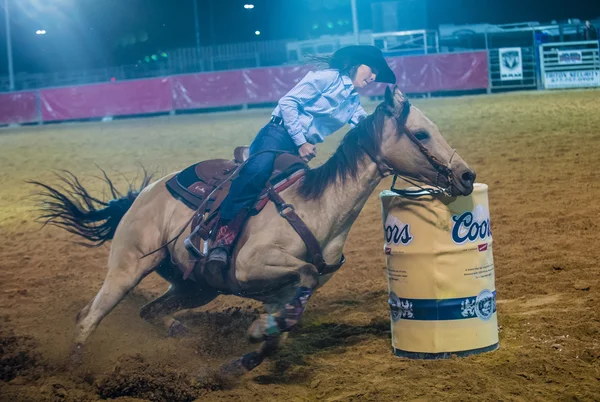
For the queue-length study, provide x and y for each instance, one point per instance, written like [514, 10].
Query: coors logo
[396, 232]
[471, 226]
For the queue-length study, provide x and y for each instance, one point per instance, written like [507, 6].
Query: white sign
[570, 57]
[511, 63]
[572, 79]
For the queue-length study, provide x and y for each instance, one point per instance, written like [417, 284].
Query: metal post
[536, 64]
[211, 22]
[11, 73]
[355, 22]
[197, 24]
[542, 66]
[489, 60]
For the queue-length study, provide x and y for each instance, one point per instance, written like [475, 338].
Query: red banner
[18, 107]
[110, 99]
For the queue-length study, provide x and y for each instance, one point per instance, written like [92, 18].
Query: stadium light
[248, 6]
[40, 32]
[256, 33]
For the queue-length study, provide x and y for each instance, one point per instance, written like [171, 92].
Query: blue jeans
[253, 176]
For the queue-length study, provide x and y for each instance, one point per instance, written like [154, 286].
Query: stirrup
[193, 250]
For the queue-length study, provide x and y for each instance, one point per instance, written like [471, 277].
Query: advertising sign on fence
[571, 79]
[511, 63]
[570, 57]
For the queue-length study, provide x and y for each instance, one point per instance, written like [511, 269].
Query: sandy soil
[538, 152]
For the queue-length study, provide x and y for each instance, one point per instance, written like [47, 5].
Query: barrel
[440, 271]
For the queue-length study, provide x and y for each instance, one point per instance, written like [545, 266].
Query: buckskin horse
[272, 261]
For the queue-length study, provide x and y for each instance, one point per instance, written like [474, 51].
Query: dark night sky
[84, 34]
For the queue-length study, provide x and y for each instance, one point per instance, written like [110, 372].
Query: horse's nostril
[468, 176]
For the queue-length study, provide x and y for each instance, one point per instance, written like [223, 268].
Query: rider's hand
[307, 151]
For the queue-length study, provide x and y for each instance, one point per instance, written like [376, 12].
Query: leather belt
[277, 120]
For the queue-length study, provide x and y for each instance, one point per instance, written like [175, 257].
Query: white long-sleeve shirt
[319, 105]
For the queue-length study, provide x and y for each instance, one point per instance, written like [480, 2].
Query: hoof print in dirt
[18, 359]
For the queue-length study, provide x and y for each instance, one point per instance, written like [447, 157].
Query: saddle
[203, 187]
[207, 183]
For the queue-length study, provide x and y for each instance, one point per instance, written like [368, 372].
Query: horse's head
[413, 147]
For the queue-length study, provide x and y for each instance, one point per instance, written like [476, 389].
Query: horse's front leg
[269, 325]
[268, 328]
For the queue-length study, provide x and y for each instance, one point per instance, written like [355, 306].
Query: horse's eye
[422, 136]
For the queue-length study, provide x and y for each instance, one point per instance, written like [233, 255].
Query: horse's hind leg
[126, 269]
[178, 297]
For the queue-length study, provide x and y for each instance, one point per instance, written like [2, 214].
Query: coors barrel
[440, 272]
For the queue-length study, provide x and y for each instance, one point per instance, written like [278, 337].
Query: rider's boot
[226, 233]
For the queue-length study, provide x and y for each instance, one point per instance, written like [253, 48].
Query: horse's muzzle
[463, 184]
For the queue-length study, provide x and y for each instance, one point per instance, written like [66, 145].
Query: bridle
[442, 169]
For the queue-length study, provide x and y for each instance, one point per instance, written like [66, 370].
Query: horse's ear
[398, 97]
[396, 101]
[389, 98]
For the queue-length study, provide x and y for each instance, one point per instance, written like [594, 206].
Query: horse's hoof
[252, 360]
[177, 330]
[76, 357]
[147, 312]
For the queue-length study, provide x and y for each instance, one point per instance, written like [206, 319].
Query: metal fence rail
[530, 76]
[178, 61]
[570, 64]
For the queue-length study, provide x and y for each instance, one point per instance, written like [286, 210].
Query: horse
[270, 261]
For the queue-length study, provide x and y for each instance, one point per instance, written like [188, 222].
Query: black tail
[72, 208]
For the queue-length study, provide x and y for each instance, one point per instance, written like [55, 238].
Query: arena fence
[416, 74]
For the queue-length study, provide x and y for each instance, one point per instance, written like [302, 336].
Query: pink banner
[110, 99]
[270, 84]
[437, 73]
[18, 107]
[427, 73]
[209, 90]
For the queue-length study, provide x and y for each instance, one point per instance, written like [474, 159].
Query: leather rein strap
[440, 167]
[385, 170]
[288, 212]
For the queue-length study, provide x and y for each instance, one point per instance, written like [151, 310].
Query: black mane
[344, 162]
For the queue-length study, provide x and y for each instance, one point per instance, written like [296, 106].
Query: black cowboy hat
[371, 56]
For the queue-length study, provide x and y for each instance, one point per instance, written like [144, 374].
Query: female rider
[320, 104]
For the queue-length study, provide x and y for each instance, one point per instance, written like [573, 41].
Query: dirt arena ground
[538, 152]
